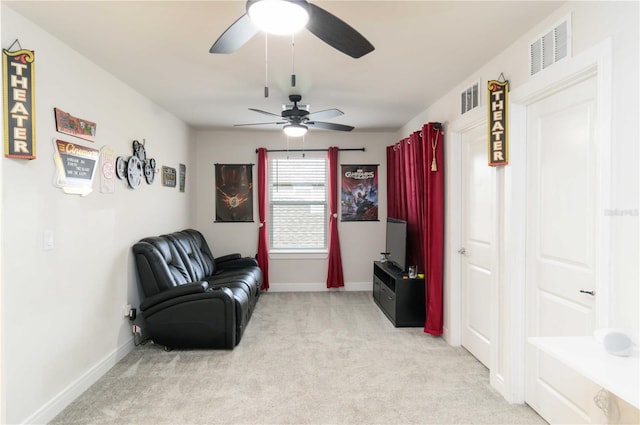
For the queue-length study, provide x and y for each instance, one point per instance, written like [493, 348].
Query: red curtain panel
[335, 278]
[433, 240]
[263, 247]
[415, 193]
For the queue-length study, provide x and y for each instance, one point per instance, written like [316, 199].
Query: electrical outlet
[126, 310]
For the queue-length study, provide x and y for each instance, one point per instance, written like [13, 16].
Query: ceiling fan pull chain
[266, 65]
[293, 60]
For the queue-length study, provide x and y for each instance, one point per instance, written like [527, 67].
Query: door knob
[462, 251]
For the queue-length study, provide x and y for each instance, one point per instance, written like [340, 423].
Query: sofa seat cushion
[246, 276]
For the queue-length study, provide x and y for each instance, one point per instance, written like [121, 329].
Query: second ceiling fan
[298, 119]
[324, 25]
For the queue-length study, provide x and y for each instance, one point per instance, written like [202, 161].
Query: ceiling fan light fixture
[295, 130]
[279, 17]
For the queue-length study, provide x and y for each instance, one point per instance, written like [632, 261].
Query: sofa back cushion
[206, 256]
[160, 266]
[190, 254]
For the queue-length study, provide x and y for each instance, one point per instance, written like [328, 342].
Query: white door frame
[507, 370]
[471, 120]
[594, 62]
[453, 227]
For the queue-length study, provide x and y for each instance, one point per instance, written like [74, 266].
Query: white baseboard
[57, 404]
[319, 287]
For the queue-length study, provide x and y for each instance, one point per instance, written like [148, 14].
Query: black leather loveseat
[192, 299]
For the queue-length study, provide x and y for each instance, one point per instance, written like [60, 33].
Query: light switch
[47, 240]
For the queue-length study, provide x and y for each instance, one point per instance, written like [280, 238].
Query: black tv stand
[391, 266]
[401, 299]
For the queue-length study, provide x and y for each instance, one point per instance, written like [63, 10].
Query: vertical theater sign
[498, 134]
[19, 104]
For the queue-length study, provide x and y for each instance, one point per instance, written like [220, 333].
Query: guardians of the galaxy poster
[359, 193]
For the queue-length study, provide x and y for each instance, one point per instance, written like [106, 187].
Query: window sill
[298, 255]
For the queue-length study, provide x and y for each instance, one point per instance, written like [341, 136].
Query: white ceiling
[161, 49]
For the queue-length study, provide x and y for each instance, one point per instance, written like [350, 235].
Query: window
[298, 205]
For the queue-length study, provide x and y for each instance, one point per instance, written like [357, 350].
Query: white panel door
[560, 247]
[478, 207]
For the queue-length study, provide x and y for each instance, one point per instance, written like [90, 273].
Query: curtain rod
[312, 150]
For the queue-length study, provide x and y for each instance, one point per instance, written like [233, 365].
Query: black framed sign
[498, 134]
[76, 166]
[19, 104]
[234, 193]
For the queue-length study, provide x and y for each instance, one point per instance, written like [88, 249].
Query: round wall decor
[134, 172]
[149, 171]
[121, 167]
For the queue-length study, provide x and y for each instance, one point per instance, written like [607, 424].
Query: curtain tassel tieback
[434, 145]
[261, 224]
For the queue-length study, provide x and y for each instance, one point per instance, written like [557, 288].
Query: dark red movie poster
[359, 193]
[234, 193]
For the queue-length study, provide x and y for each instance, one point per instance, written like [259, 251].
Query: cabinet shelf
[401, 299]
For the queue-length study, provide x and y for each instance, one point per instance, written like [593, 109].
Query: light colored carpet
[305, 358]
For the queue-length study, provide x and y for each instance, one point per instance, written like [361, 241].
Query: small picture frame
[168, 176]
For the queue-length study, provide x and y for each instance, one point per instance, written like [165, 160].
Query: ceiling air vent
[470, 98]
[550, 47]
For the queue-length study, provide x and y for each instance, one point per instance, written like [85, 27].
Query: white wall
[361, 242]
[62, 321]
[593, 23]
[61, 310]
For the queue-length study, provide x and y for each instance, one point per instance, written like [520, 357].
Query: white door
[478, 206]
[560, 248]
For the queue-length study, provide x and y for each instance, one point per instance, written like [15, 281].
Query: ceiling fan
[288, 15]
[298, 119]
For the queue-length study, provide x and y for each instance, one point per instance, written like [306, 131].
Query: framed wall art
[76, 166]
[359, 197]
[168, 176]
[19, 103]
[234, 193]
[498, 121]
[74, 126]
[182, 176]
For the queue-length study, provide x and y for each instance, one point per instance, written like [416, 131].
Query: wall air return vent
[470, 98]
[549, 48]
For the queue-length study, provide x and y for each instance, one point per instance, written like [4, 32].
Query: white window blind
[298, 217]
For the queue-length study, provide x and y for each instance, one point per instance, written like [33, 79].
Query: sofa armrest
[226, 258]
[196, 320]
[237, 263]
[178, 291]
